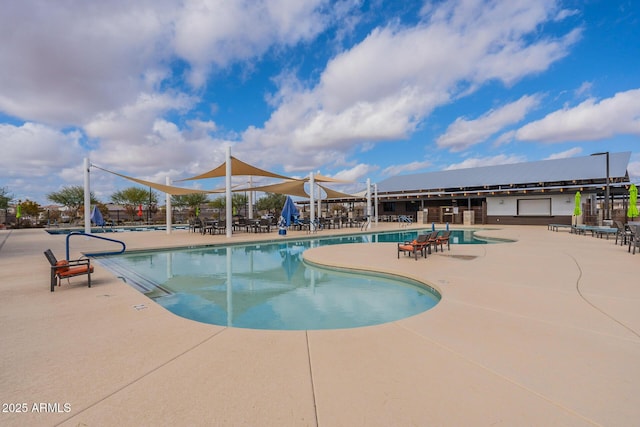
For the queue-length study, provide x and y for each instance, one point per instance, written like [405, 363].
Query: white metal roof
[592, 167]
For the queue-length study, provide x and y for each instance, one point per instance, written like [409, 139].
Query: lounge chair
[432, 241]
[419, 245]
[441, 239]
[65, 269]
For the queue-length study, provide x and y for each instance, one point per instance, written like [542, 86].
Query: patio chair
[65, 269]
[264, 225]
[219, 227]
[622, 233]
[634, 238]
[419, 245]
[195, 225]
[441, 239]
[432, 241]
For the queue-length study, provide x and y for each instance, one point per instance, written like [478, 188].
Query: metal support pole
[87, 197]
[229, 210]
[312, 207]
[168, 207]
[608, 192]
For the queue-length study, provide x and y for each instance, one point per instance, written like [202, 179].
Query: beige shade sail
[295, 187]
[292, 187]
[238, 168]
[322, 178]
[333, 194]
[174, 191]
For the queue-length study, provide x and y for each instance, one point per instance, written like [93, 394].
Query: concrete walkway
[542, 331]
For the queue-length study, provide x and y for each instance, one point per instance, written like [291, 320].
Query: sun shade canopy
[174, 191]
[238, 168]
[295, 187]
[292, 187]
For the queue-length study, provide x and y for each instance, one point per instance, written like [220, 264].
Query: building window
[388, 207]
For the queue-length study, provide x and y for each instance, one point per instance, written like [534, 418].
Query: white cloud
[64, 64]
[37, 150]
[219, 33]
[487, 161]
[463, 133]
[357, 173]
[634, 171]
[133, 121]
[585, 88]
[588, 121]
[409, 167]
[566, 154]
[364, 96]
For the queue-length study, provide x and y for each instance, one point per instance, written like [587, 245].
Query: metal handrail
[78, 233]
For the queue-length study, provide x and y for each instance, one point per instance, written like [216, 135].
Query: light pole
[607, 215]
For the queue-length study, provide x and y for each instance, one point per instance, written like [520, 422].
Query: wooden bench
[65, 269]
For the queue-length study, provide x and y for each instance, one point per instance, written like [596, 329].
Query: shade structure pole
[319, 204]
[229, 210]
[375, 201]
[168, 206]
[368, 203]
[250, 213]
[312, 206]
[87, 197]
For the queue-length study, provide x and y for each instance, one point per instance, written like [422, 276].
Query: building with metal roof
[538, 192]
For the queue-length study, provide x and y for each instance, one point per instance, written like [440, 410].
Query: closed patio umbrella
[140, 213]
[632, 211]
[96, 216]
[577, 210]
[289, 211]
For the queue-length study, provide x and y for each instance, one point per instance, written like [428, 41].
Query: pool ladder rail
[79, 233]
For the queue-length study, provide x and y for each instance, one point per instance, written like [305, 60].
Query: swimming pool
[268, 285]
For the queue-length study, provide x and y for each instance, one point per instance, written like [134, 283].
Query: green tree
[132, 197]
[5, 198]
[218, 203]
[239, 202]
[191, 200]
[271, 202]
[30, 208]
[72, 197]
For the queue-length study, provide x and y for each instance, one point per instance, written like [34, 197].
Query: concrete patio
[541, 331]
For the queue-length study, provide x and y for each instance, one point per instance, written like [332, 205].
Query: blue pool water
[268, 286]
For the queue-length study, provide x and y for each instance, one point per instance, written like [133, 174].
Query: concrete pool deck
[541, 331]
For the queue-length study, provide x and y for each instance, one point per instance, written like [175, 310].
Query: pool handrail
[81, 233]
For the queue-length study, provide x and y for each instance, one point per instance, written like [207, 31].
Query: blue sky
[350, 89]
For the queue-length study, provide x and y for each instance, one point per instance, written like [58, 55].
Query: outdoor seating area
[267, 225]
[424, 244]
[625, 234]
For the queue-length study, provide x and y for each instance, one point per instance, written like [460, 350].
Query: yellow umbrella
[577, 210]
[632, 211]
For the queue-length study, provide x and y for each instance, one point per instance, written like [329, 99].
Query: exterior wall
[504, 210]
